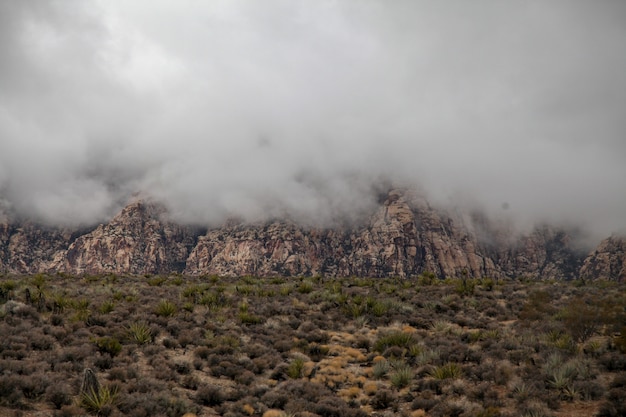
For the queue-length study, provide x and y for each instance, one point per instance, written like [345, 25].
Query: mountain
[607, 261]
[405, 236]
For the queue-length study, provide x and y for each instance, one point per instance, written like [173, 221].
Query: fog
[299, 108]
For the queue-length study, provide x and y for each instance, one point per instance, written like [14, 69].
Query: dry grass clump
[171, 345]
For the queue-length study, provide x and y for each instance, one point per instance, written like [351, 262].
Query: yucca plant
[401, 376]
[166, 308]
[249, 318]
[107, 307]
[108, 345]
[285, 289]
[396, 338]
[449, 370]
[95, 401]
[305, 287]
[426, 357]
[380, 369]
[521, 391]
[140, 333]
[296, 368]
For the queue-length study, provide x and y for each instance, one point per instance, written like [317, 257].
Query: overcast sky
[258, 108]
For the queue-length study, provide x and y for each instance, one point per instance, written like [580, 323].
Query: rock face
[607, 261]
[546, 252]
[27, 248]
[139, 240]
[404, 236]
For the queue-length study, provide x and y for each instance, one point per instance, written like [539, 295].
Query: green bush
[401, 376]
[449, 370]
[396, 338]
[98, 401]
[296, 368]
[140, 333]
[108, 345]
[166, 308]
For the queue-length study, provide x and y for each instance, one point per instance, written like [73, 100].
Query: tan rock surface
[607, 261]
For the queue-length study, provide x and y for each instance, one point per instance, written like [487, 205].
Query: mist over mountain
[307, 110]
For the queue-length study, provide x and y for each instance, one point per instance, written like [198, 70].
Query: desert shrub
[249, 318]
[227, 369]
[620, 340]
[191, 382]
[99, 402]
[396, 338]
[401, 375]
[614, 405]
[107, 307]
[10, 392]
[245, 378]
[305, 287]
[449, 370]
[581, 319]
[58, 394]
[202, 352]
[170, 343]
[103, 362]
[383, 399]
[275, 399]
[209, 395]
[118, 374]
[538, 306]
[380, 369]
[139, 332]
[295, 368]
[56, 320]
[182, 367]
[34, 386]
[108, 345]
[160, 404]
[41, 342]
[165, 308]
[157, 281]
[425, 401]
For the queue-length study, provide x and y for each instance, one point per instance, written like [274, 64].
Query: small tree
[581, 319]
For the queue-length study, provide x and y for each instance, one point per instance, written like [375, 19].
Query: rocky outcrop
[607, 261]
[27, 248]
[403, 237]
[138, 240]
[277, 248]
[546, 252]
[386, 246]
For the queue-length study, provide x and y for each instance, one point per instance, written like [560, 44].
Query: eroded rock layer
[403, 237]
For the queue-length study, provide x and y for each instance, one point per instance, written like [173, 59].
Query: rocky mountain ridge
[404, 237]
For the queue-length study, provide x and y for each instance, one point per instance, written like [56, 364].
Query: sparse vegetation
[309, 346]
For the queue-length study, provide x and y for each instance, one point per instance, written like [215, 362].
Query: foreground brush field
[212, 346]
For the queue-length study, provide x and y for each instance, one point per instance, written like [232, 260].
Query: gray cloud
[264, 108]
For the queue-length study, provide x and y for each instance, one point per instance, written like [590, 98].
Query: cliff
[403, 237]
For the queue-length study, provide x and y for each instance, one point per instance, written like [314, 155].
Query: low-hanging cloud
[257, 109]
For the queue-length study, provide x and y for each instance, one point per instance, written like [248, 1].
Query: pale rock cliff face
[388, 245]
[277, 248]
[447, 246]
[607, 261]
[403, 237]
[400, 239]
[384, 247]
[28, 248]
[138, 240]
